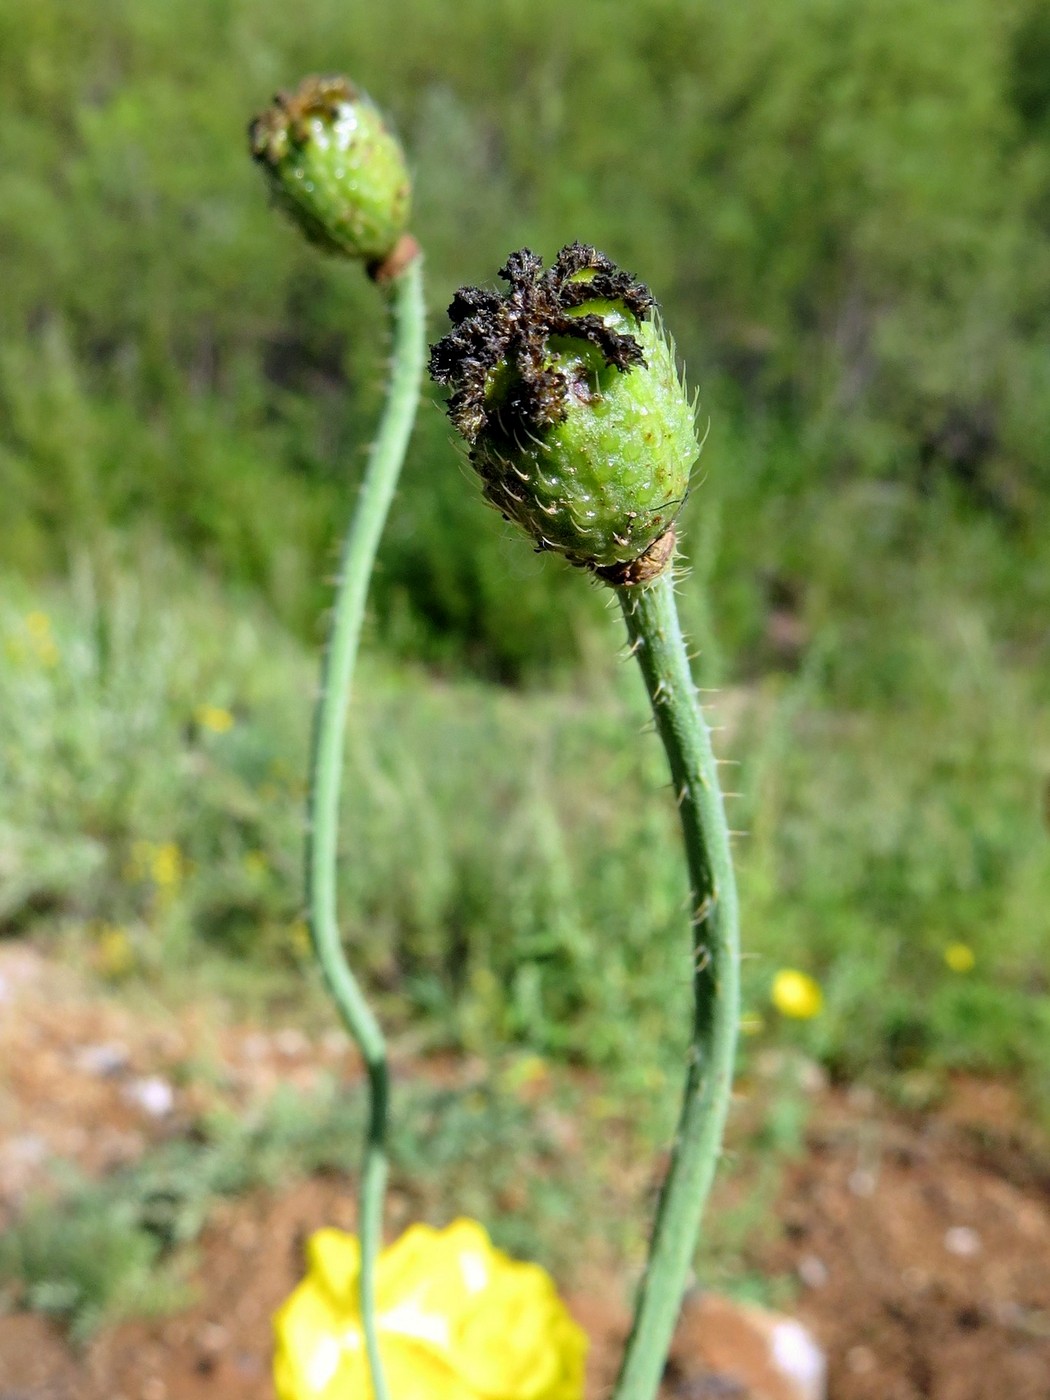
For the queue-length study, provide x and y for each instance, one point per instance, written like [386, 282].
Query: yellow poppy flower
[214, 717]
[796, 994]
[114, 952]
[457, 1320]
[959, 957]
[166, 864]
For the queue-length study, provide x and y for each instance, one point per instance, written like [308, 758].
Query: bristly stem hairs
[337, 170]
[582, 433]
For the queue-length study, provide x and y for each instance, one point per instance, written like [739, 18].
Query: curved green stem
[359, 550]
[652, 624]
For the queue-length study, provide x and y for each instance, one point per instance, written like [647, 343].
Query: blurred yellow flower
[299, 938]
[796, 994]
[526, 1073]
[166, 865]
[214, 717]
[38, 625]
[959, 957]
[601, 1107]
[159, 861]
[457, 1320]
[114, 952]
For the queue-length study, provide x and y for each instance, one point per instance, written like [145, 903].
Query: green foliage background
[843, 209]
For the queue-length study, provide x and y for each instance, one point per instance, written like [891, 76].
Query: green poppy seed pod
[578, 423]
[336, 168]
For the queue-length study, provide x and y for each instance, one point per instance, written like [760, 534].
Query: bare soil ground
[920, 1243]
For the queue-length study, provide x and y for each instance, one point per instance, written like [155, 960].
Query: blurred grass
[843, 209]
[511, 869]
[549, 1162]
[93, 1252]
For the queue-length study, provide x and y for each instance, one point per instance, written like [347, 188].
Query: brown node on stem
[645, 568]
[404, 251]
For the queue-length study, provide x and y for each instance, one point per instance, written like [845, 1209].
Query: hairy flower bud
[578, 423]
[335, 167]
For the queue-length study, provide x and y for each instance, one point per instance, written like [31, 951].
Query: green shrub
[844, 204]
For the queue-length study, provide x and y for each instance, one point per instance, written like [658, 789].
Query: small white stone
[812, 1077]
[961, 1241]
[812, 1271]
[861, 1360]
[797, 1356]
[102, 1060]
[290, 1043]
[27, 1149]
[255, 1047]
[213, 1338]
[862, 1098]
[153, 1095]
[862, 1182]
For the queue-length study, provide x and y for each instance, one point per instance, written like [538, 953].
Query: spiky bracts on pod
[335, 167]
[569, 398]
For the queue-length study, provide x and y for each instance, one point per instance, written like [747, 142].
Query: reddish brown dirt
[927, 1247]
[921, 1245]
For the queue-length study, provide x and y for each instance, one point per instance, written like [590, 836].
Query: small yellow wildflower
[528, 1072]
[796, 994]
[299, 938]
[457, 1320]
[959, 957]
[166, 866]
[38, 625]
[159, 861]
[214, 717]
[114, 953]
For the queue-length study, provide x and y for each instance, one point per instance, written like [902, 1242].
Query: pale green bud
[334, 166]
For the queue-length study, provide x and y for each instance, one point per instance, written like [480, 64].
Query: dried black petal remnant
[289, 116]
[492, 330]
